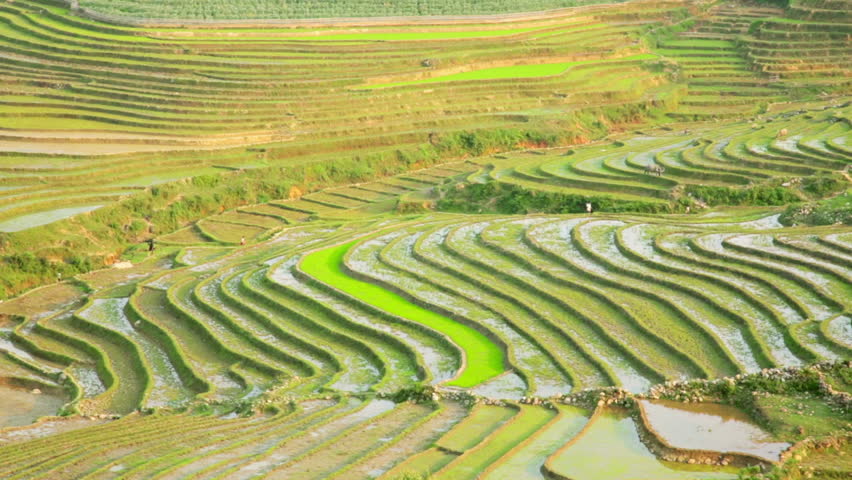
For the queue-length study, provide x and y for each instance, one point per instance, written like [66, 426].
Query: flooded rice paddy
[709, 426]
[610, 449]
[20, 406]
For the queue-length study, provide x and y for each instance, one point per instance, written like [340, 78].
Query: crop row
[358, 438]
[810, 42]
[235, 88]
[509, 307]
[727, 165]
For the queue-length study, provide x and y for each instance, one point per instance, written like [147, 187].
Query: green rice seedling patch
[550, 324]
[250, 220]
[188, 235]
[533, 345]
[524, 462]
[332, 200]
[404, 344]
[526, 355]
[290, 216]
[512, 72]
[230, 232]
[391, 360]
[482, 421]
[423, 464]
[470, 464]
[484, 358]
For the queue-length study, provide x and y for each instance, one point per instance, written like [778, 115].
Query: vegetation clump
[833, 211]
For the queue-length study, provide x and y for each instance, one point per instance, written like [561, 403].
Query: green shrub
[754, 196]
[837, 210]
[820, 186]
[494, 197]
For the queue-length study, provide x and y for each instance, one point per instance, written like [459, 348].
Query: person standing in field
[589, 208]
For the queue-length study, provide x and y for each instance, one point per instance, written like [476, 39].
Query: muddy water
[710, 426]
[610, 449]
[20, 407]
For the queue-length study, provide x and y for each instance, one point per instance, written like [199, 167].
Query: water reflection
[611, 450]
[710, 426]
[22, 407]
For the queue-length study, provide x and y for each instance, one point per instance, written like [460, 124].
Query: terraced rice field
[508, 307]
[666, 167]
[316, 303]
[265, 10]
[88, 108]
[300, 441]
[808, 43]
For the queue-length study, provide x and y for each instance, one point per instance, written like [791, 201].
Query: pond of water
[710, 426]
[610, 449]
[21, 407]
